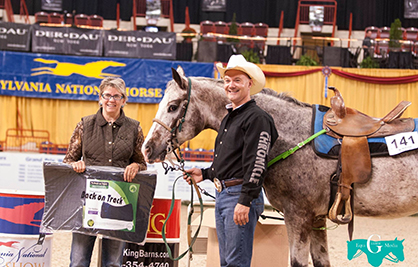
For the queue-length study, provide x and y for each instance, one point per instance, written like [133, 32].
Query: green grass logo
[133, 188]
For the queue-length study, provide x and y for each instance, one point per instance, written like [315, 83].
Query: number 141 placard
[402, 142]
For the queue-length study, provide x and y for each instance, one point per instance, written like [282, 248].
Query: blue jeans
[235, 242]
[82, 249]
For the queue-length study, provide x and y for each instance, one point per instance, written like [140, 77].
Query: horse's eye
[172, 108]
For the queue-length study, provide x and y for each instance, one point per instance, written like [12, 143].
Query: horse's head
[397, 249]
[181, 115]
[352, 248]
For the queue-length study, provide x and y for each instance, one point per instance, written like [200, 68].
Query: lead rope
[171, 148]
[191, 240]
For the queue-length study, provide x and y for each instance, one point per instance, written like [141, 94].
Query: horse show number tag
[402, 142]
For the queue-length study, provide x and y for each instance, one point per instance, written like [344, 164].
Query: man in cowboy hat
[244, 139]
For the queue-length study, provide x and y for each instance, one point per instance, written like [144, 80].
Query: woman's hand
[78, 166]
[130, 172]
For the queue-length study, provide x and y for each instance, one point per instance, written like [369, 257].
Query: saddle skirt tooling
[353, 137]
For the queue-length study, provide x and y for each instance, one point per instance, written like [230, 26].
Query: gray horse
[299, 186]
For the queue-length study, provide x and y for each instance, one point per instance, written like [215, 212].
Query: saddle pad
[329, 147]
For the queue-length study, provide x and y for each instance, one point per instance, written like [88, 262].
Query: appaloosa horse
[299, 186]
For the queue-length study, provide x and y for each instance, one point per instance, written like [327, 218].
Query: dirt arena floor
[388, 229]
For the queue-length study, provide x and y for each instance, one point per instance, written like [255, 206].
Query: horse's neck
[293, 122]
[213, 106]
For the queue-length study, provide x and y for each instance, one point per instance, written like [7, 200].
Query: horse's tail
[47, 61]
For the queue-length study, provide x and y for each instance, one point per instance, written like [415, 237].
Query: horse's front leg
[299, 230]
[319, 243]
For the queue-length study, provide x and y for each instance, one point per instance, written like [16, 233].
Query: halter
[173, 143]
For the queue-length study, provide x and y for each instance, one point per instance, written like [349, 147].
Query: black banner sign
[411, 9]
[14, 36]
[139, 44]
[68, 41]
[214, 5]
[52, 5]
[120, 44]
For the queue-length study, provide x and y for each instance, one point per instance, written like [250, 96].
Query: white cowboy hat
[238, 62]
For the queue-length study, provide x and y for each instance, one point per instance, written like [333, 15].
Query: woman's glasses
[109, 96]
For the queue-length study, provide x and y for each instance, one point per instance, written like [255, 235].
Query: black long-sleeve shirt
[244, 139]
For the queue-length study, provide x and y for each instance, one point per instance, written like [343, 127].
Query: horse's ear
[180, 71]
[179, 78]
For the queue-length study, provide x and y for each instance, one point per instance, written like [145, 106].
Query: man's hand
[194, 173]
[130, 172]
[241, 214]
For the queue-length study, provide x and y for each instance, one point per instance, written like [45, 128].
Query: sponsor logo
[90, 69]
[13, 31]
[376, 251]
[10, 244]
[136, 39]
[22, 214]
[67, 35]
[133, 188]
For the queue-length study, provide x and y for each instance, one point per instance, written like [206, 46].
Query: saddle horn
[337, 103]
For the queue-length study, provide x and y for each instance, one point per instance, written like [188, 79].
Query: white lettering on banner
[141, 253]
[71, 35]
[121, 38]
[401, 142]
[39, 33]
[260, 161]
[74, 35]
[134, 39]
[13, 31]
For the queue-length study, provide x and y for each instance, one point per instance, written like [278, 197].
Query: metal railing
[28, 140]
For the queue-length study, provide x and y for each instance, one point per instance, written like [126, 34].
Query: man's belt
[220, 185]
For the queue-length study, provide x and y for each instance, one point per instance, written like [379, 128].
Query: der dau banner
[14, 36]
[140, 44]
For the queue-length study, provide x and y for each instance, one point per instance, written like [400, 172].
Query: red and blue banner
[78, 78]
[20, 214]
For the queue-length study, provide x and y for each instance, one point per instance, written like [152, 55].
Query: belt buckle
[218, 185]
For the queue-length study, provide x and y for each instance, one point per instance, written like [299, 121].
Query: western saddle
[354, 127]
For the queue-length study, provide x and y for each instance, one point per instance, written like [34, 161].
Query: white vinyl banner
[24, 250]
[24, 172]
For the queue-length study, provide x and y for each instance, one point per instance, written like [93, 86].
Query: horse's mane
[285, 96]
[266, 91]
[219, 82]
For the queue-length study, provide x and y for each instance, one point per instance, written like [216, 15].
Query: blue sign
[78, 78]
